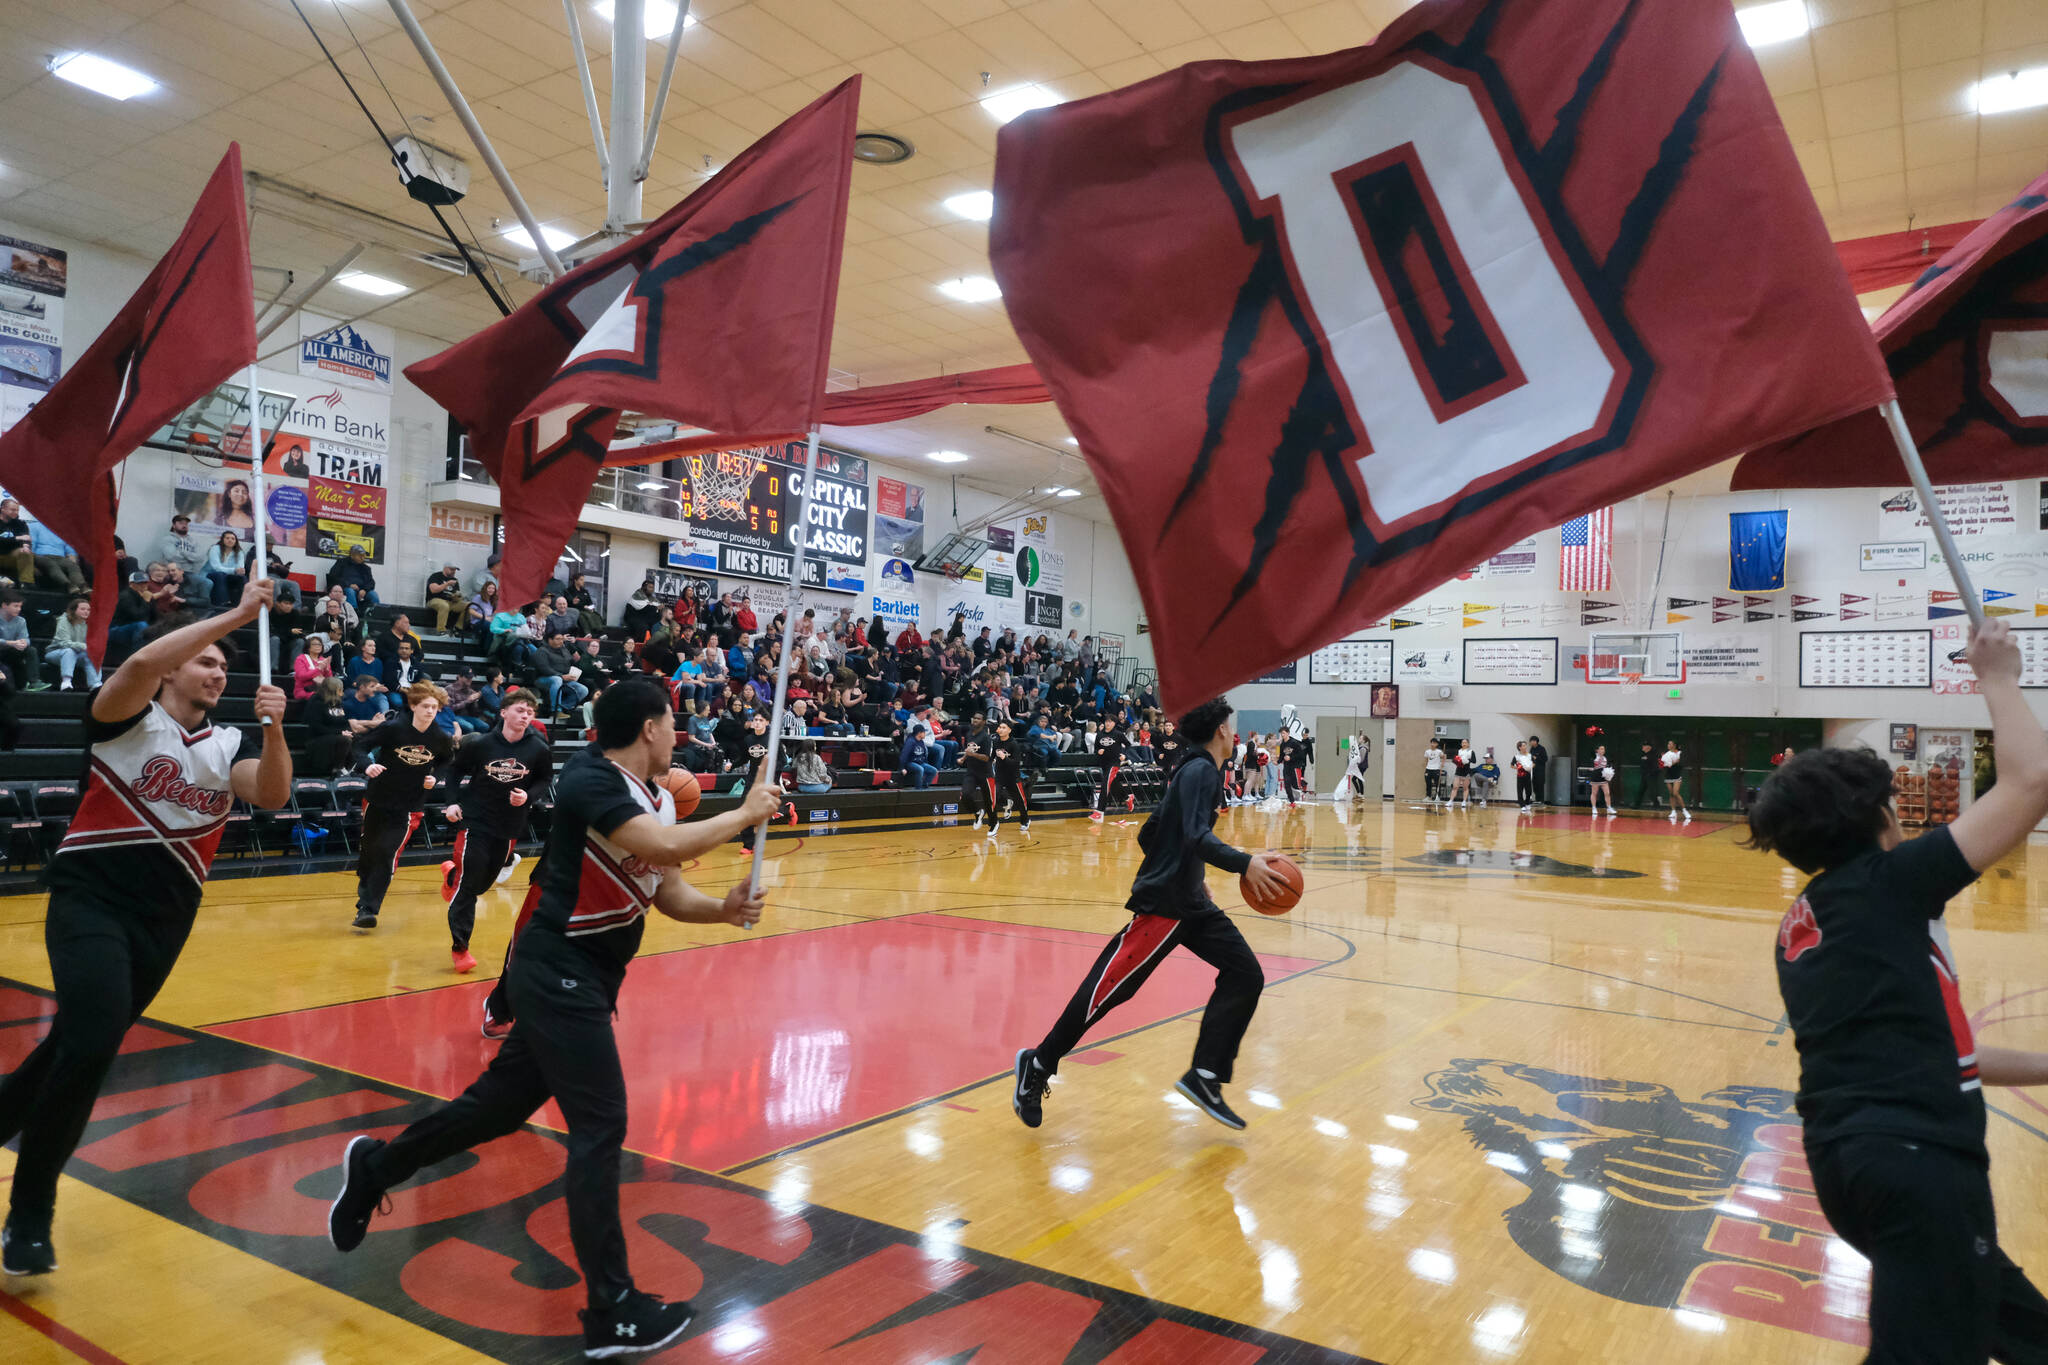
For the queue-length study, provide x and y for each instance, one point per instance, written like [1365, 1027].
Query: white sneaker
[1095, 815]
[1612, 812]
[505, 872]
[1674, 817]
[1688, 817]
[1525, 810]
[64, 686]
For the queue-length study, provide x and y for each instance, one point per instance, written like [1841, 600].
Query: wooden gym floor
[1518, 1090]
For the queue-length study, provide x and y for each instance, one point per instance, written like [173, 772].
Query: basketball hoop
[719, 484]
[1631, 680]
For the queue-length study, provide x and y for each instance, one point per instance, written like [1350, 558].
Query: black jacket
[1179, 839]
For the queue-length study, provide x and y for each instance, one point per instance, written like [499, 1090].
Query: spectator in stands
[813, 774]
[336, 604]
[444, 595]
[400, 633]
[643, 609]
[489, 572]
[226, 570]
[180, 549]
[557, 673]
[23, 665]
[699, 748]
[796, 719]
[125, 564]
[328, 736]
[490, 695]
[365, 662]
[743, 617]
[483, 605]
[689, 681]
[560, 616]
[365, 704]
[584, 603]
[351, 573]
[55, 566]
[714, 671]
[915, 759]
[134, 610]
[311, 669]
[288, 623]
[508, 640]
[67, 644]
[729, 732]
[596, 674]
[464, 703]
[405, 666]
[829, 718]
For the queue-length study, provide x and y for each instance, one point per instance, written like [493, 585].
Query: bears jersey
[156, 796]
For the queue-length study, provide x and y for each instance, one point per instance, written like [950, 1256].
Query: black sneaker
[348, 1219]
[26, 1250]
[1033, 1081]
[635, 1324]
[366, 919]
[1208, 1097]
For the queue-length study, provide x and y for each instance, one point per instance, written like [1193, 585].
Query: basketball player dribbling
[1170, 906]
[977, 779]
[613, 853]
[125, 886]
[496, 778]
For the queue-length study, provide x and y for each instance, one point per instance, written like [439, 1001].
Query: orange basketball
[1287, 899]
[682, 785]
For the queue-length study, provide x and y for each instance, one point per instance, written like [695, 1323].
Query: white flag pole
[1917, 472]
[261, 567]
[796, 578]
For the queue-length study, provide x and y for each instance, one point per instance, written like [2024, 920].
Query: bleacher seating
[39, 780]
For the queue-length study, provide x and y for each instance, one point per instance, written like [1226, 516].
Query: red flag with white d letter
[1331, 329]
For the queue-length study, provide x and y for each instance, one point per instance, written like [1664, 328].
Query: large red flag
[1331, 330]
[189, 327]
[719, 315]
[1968, 348]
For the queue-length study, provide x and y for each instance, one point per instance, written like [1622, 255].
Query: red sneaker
[448, 886]
[464, 961]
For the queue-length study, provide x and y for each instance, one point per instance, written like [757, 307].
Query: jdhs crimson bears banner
[1968, 349]
[1331, 330]
[189, 327]
[718, 316]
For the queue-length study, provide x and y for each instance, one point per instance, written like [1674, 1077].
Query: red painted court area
[736, 1051]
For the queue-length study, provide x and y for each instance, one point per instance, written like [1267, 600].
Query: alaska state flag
[1756, 551]
[1332, 329]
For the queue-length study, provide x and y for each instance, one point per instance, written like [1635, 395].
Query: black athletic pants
[1432, 783]
[1018, 792]
[978, 795]
[498, 1004]
[386, 830]
[107, 965]
[479, 858]
[1112, 786]
[1130, 958]
[562, 1048]
[1292, 781]
[1525, 787]
[1941, 1290]
[1649, 790]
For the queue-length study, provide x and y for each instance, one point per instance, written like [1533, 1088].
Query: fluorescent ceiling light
[101, 76]
[972, 289]
[657, 21]
[946, 456]
[2014, 90]
[649, 485]
[553, 236]
[370, 284]
[979, 205]
[1070, 492]
[1781, 22]
[1005, 105]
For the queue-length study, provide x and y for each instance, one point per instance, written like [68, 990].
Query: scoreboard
[755, 538]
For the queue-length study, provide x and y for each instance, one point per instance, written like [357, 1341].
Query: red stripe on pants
[1137, 942]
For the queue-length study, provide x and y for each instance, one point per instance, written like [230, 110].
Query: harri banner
[719, 316]
[1331, 329]
[1967, 346]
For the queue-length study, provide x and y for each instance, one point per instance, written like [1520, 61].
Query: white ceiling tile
[1937, 91]
[1860, 106]
[1863, 155]
[1933, 142]
[1941, 31]
[1853, 50]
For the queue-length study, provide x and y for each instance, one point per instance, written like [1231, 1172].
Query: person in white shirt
[1433, 773]
[1462, 764]
[1525, 775]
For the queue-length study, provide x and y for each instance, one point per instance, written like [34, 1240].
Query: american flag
[1587, 561]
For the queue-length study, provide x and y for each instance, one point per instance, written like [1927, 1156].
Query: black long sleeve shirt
[1179, 839]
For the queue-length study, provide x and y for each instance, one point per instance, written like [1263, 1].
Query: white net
[719, 484]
